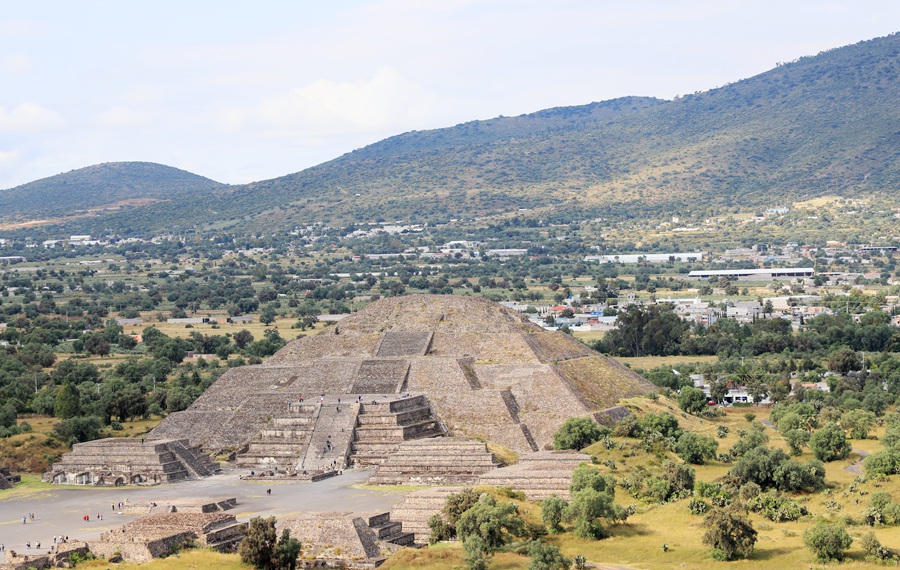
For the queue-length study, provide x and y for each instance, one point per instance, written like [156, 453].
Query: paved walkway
[60, 511]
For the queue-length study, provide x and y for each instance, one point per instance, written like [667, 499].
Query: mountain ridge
[823, 124]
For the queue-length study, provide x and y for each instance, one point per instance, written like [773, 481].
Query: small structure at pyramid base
[538, 475]
[113, 462]
[438, 461]
[346, 539]
[162, 534]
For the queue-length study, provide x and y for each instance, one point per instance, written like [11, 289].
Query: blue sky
[239, 93]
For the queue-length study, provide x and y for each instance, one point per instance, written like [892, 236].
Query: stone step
[377, 431]
[400, 418]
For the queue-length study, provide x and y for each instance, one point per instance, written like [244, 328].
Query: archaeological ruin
[363, 391]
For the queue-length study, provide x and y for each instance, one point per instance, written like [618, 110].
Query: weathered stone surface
[419, 506]
[345, 539]
[538, 475]
[7, 479]
[161, 534]
[127, 461]
[486, 371]
[437, 461]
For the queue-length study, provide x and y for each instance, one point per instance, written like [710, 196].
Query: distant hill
[821, 125]
[102, 186]
[826, 124]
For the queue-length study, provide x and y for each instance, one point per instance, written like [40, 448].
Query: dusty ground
[60, 511]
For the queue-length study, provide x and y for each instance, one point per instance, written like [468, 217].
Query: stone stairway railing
[192, 459]
[390, 531]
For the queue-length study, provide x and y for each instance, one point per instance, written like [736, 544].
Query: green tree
[593, 497]
[267, 315]
[286, 552]
[242, 338]
[492, 522]
[7, 415]
[68, 402]
[476, 555]
[796, 439]
[577, 433]
[827, 541]
[553, 511]
[729, 534]
[664, 423]
[858, 422]
[696, 448]
[844, 360]
[829, 443]
[78, 429]
[692, 400]
[258, 546]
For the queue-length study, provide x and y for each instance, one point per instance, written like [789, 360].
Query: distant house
[510, 252]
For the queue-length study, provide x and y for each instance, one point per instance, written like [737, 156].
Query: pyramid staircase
[384, 424]
[284, 442]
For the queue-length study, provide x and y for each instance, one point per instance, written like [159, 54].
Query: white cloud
[386, 101]
[122, 118]
[29, 118]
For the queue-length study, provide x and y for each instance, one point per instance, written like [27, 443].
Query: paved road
[60, 511]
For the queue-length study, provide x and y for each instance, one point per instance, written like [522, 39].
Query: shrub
[884, 462]
[829, 443]
[546, 557]
[697, 506]
[827, 541]
[577, 433]
[776, 507]
[696, 448]
[663, 423]
[675, 482]
[722, 431]
[729, 535]
[755, 437]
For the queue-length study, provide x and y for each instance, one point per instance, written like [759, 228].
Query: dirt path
[856, 467]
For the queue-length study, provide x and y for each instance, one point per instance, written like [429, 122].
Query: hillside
[826, 124]
[820, 125]
[104, 186]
